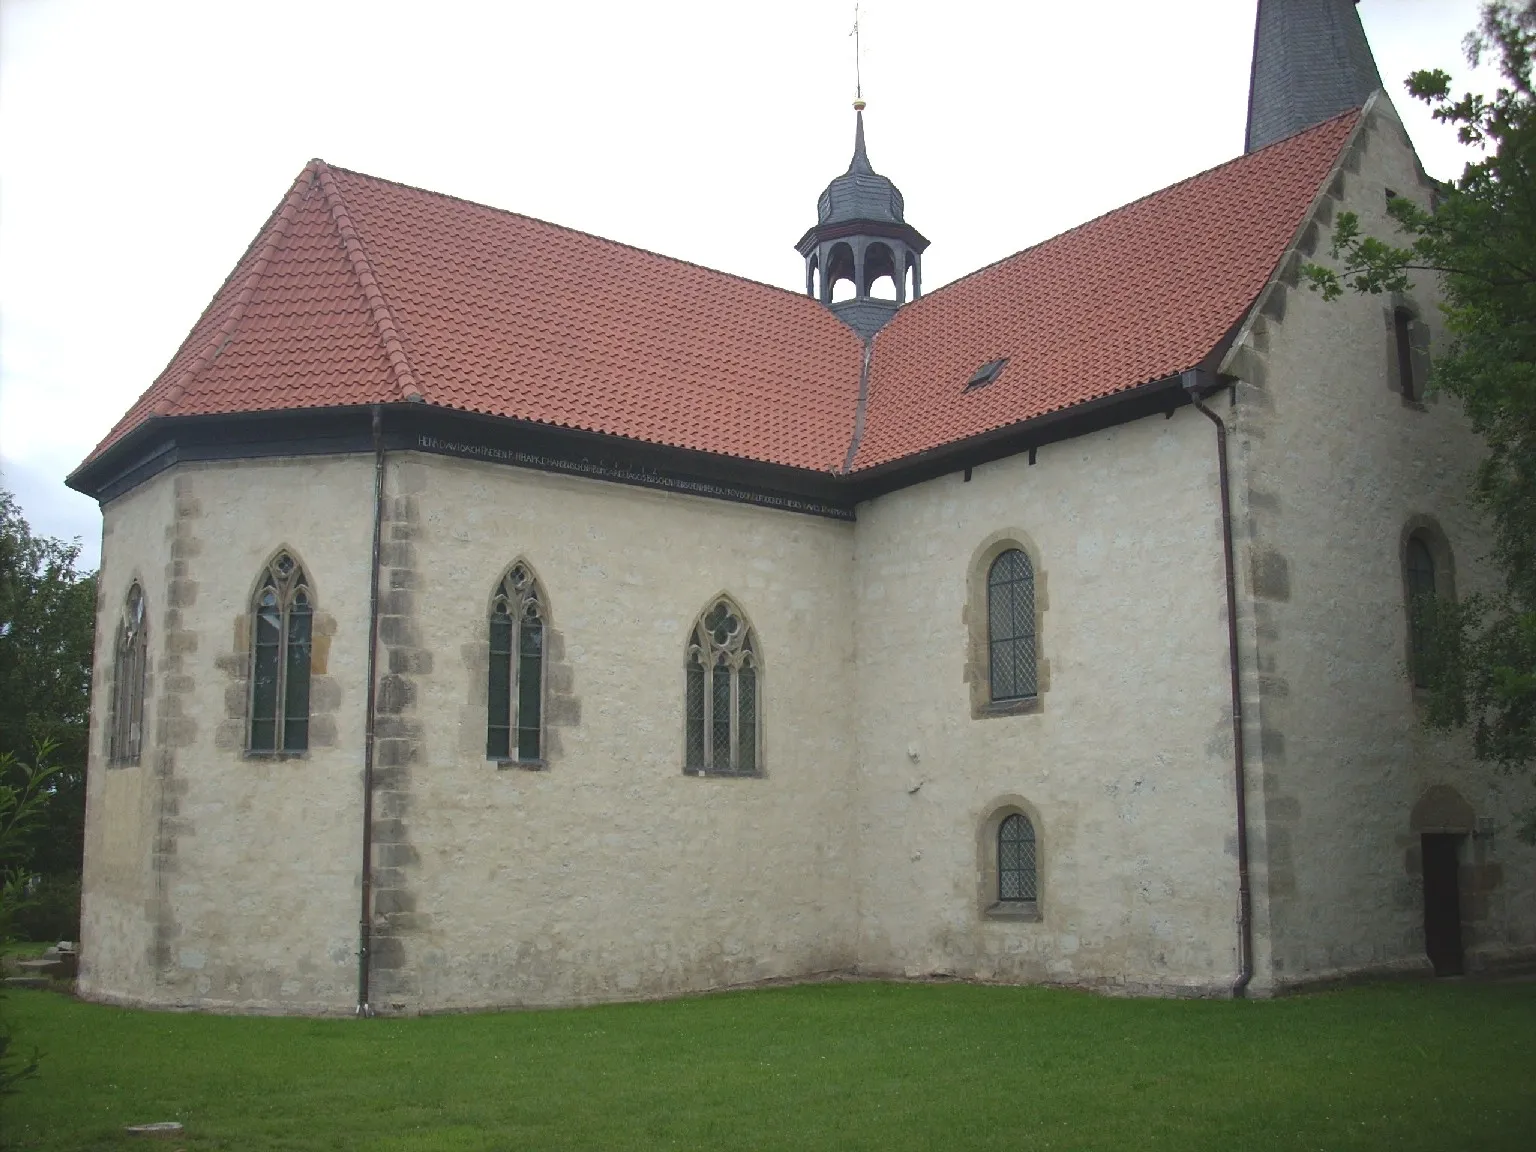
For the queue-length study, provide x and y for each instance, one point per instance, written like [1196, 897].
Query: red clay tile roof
[1140, 294]
[361, 291]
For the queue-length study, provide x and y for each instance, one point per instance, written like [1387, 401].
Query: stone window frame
[536, 595]
[740, 649]
[1399, 308]
[1427, 530]
[130, 680]
[989, 902]
[302, 582]
[978, 661]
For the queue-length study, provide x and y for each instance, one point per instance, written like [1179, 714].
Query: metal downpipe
[365, 914]
[1192, 381]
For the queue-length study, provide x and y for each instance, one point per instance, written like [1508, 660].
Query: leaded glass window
[125, 728]
[282, 634]
[1421, 600]
[1011, 659]
[1017, 877]
[515, 687]
[724, 680]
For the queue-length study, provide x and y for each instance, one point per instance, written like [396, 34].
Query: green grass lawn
[1439, 1067]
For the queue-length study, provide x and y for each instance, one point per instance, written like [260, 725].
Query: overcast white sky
[142, 144]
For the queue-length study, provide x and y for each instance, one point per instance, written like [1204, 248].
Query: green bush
[50, 912]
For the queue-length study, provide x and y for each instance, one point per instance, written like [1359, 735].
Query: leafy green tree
[1480, 239]
[26, 791]
[47, 626]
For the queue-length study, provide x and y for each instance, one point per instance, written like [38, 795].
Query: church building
[493, 614]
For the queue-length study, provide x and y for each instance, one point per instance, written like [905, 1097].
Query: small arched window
[125, 730]
[282, 639]
[1011, 659]
[1402, 332]
[724, 694]
[1420, 578]
[1017, 875]
[515, 691]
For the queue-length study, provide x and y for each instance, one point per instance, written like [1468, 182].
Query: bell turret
[861, 236]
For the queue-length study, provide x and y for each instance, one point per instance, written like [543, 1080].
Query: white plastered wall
[118, 882]
[611, 874]
[244, 869]
[1333, 465]
[1128, 763]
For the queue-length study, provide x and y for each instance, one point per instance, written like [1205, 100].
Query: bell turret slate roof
[361, 291]
[1311, 61]
[860, 193]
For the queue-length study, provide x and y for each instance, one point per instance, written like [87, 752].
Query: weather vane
[858, 79]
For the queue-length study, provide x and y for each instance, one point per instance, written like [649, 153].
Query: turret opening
[880, 272]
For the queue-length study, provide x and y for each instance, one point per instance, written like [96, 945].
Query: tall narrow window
[1017, 877]
[515, 689]
[1402, 330]
[282, 633]
[1011, 627]
[724, 678]
[125, 730]
[1421, 602]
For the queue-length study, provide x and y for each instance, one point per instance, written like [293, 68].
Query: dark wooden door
[1442, 904]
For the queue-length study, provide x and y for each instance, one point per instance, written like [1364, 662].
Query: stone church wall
[610, 874]
[123, 805]
[227, 880]
[1335, 468]
[1126, 766]
[217, 878]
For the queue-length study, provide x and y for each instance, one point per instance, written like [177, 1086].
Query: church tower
[1310, 62]
[861, 235]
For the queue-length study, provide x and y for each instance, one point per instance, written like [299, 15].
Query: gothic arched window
[724, 694]
[125, 729]
[282, 629]
[1017, 877]
[515, 688]
[1011, 659]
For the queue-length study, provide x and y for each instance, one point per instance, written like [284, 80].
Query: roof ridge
[373, 296]
[1133, 203]
[280, 220]
[797, 294]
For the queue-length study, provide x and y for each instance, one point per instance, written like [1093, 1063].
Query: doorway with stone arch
[1443, 821]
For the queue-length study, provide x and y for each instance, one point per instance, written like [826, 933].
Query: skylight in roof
[987, 373]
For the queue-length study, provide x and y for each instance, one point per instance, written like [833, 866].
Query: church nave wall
[1124, 767]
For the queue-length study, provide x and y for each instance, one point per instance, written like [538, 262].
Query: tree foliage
[47, 626]
[26, 791]
[1480, 239]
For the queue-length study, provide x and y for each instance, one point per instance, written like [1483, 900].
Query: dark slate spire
[862, 235]
[1311, 61]
[860, 162]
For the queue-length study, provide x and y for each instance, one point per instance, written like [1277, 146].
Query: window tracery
[282, 643]
[515, 687]
[723, 694]
[125, 730]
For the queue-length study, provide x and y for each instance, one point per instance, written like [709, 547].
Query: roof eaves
[378, 309]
